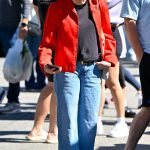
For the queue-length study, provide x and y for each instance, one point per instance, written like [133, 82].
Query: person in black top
[47, 99]
[41, 7]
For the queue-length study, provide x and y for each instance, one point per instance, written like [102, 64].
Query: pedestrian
[120, 128]
[36, 81]
[136, 14]
[79, 33]
[47, 99]
[10, 18]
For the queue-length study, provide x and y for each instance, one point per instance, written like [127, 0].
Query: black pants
[13, 93]
[144, 70]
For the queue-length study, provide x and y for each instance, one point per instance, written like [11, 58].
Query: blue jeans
[131, 79]
[78, 97]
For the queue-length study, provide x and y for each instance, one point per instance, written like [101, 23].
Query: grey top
[139, 10]
[11, 10]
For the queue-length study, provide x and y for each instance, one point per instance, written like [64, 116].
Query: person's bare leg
[42, 109]
[116, 90]
[102, 102]
[53, 131]
[138, 126]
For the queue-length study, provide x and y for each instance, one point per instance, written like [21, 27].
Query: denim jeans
[7, 37]
[78, 97]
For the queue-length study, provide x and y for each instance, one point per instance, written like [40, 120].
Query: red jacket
[61, 34]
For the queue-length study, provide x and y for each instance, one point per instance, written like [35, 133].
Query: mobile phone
[53, 67]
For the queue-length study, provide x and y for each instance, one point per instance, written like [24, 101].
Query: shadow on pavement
[121, 147]
[2, 133]
[24, 90]
[18, 140]
[18, 116]
[26, 115]
[147, 133]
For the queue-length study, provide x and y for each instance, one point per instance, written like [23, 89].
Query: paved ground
[13, 128]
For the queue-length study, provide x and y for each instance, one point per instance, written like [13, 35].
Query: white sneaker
[100, 129]
[120, 129]
[139, 98]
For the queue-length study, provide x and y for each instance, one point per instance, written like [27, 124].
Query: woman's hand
[47, 70]
[103, 64]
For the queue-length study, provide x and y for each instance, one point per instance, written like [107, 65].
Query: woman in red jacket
[79, 32]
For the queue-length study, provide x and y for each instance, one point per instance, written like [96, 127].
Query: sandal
[42, 136]
[52, 139]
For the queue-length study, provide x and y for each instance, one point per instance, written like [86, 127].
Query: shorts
[145, 79]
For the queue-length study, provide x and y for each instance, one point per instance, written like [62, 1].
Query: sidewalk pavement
[14, 127]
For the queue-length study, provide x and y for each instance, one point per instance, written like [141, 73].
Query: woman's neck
[79, 2]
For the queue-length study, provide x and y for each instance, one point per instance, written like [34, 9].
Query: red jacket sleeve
[109, 53]
[48, 42]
